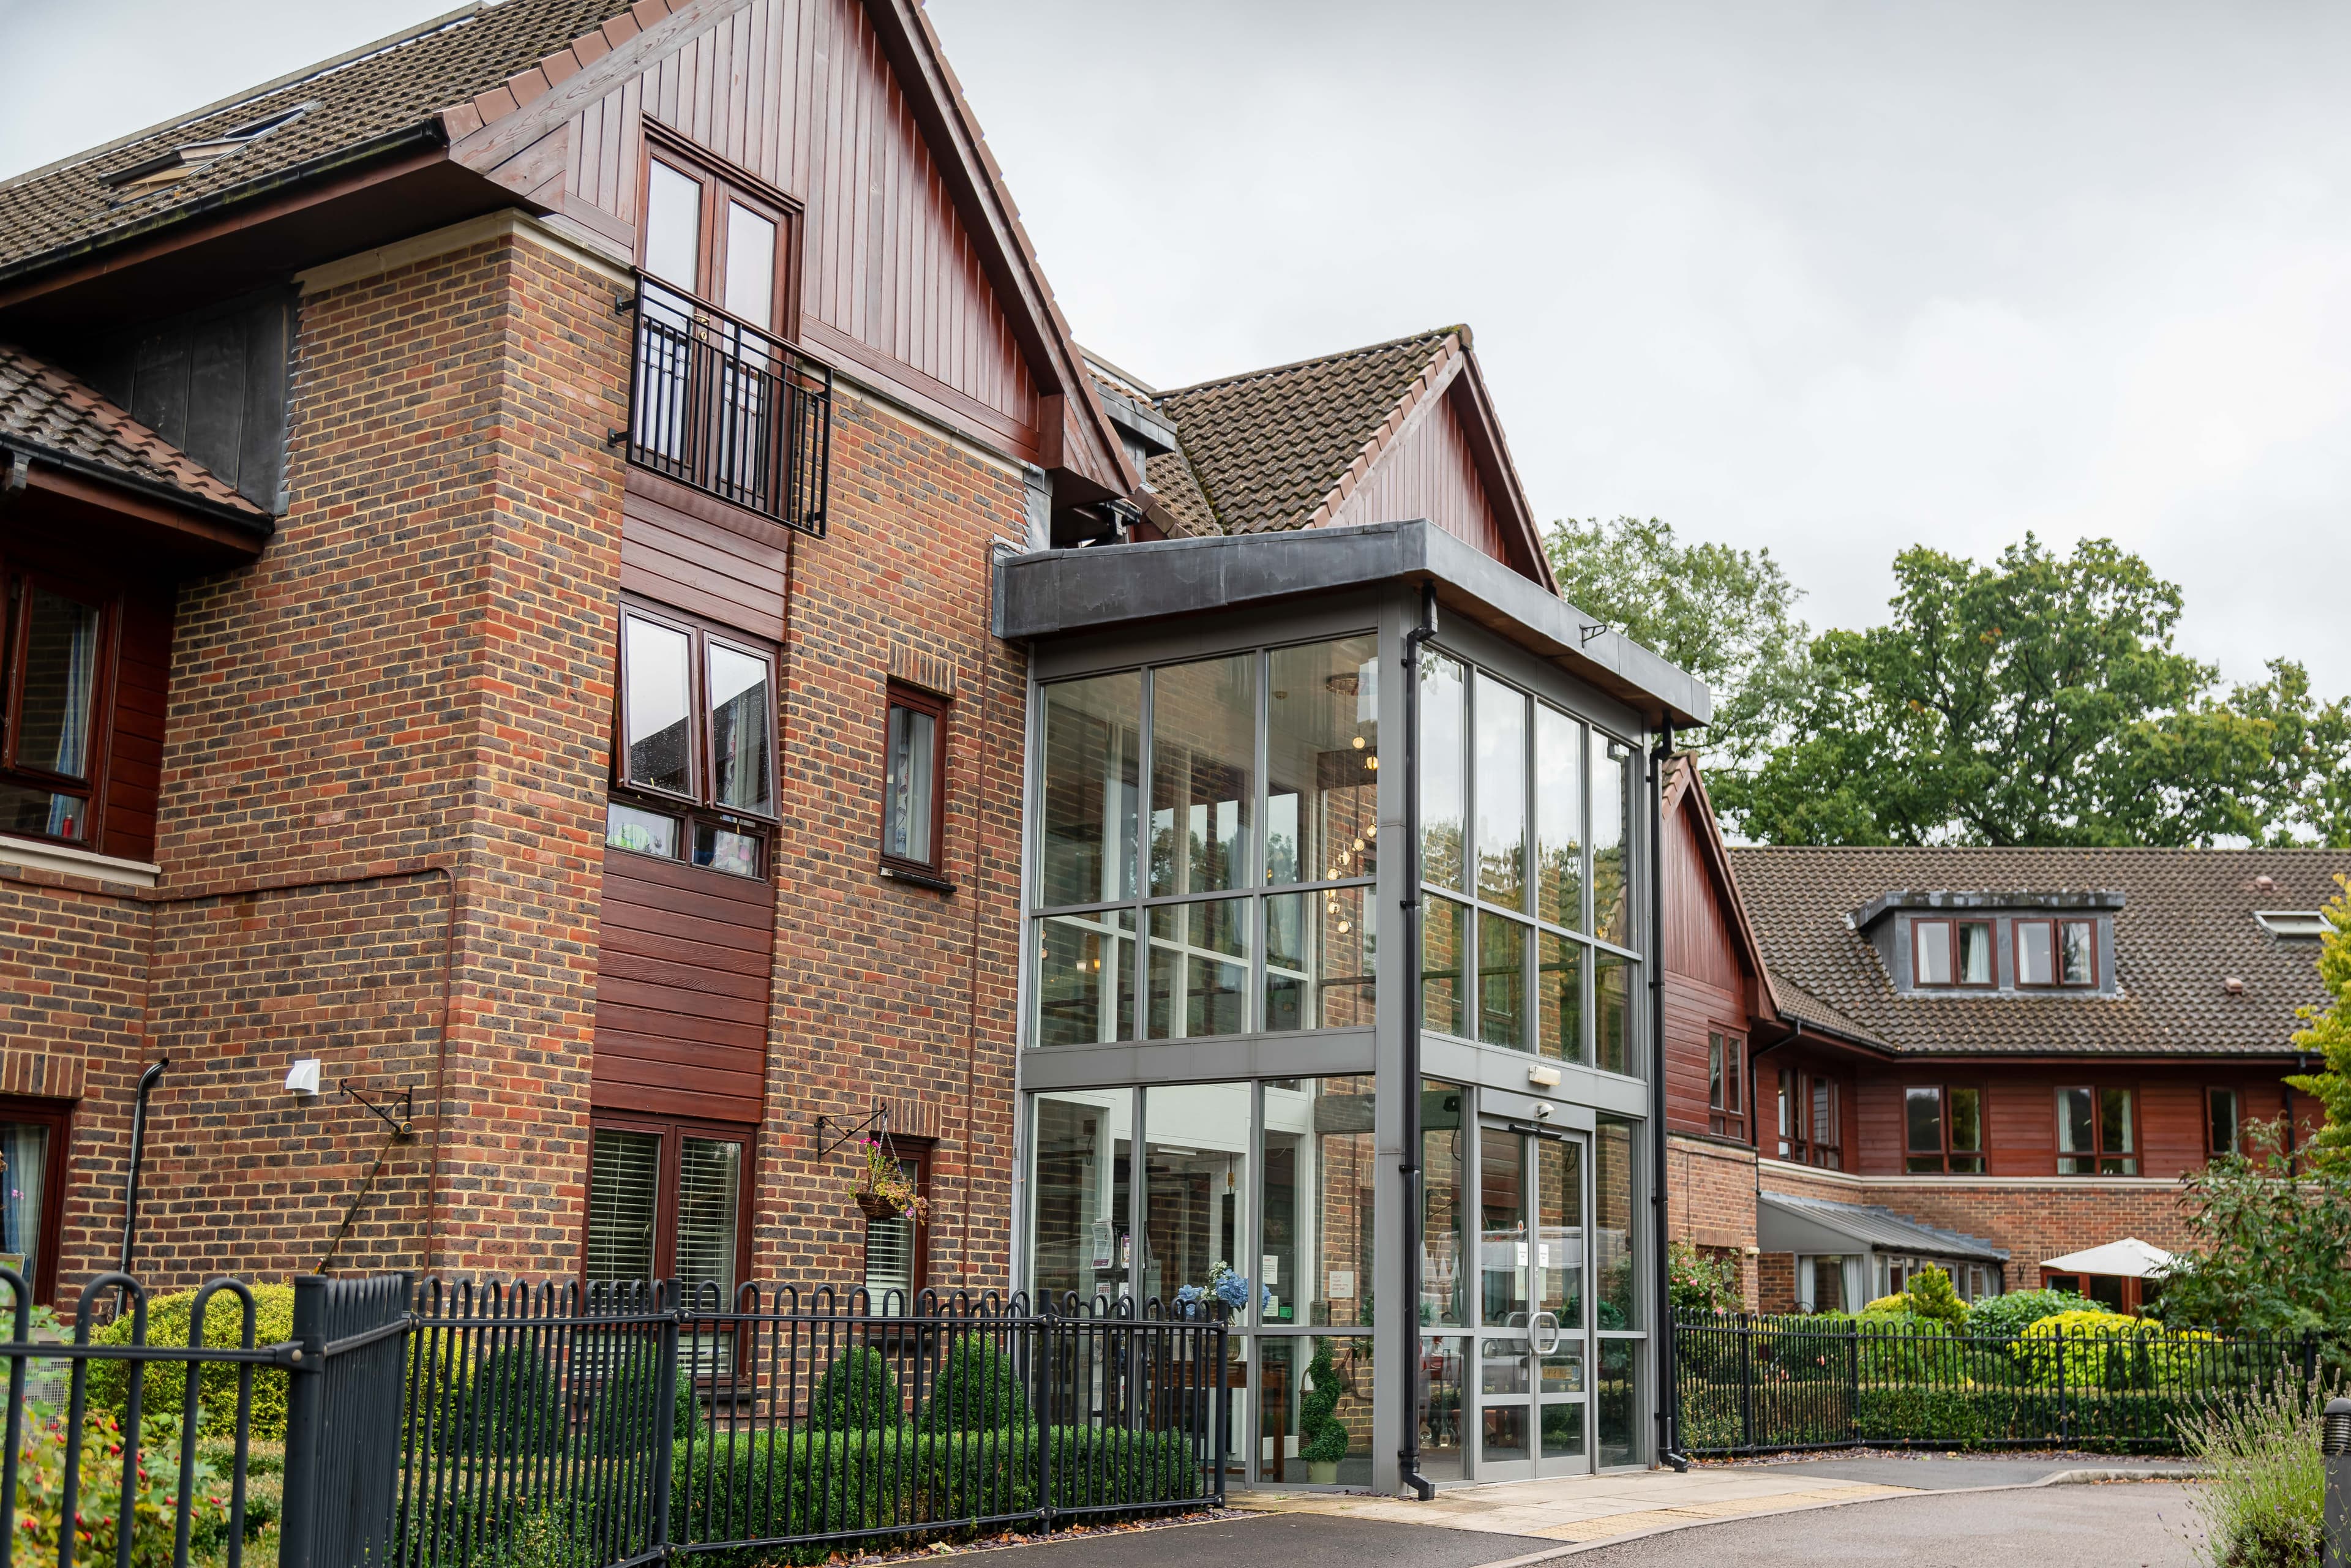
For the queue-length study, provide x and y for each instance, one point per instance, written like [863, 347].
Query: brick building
[1980, 1058]
[500, 529]
[565, 574]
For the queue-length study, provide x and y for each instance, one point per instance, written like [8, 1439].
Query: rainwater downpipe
[1668, 1417]
[147, 1082]
[1409, 1265]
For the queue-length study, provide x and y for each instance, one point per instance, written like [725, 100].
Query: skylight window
[2292, 924]
[170, 168]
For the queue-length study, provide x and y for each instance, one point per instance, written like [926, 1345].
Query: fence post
[297, 1526]
[2064, 1400]
[1041, 1358]
[1747, 1383]
[1851, 1380]
[665, 1420]
[1217, 1348]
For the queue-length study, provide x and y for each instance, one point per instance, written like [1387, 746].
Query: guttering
[1668, 1413]
[147, 1080]
[260, 525]
[1408, 1261]
[426, 133]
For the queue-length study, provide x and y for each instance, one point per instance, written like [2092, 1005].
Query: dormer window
[2056, 953]
[1951, 953]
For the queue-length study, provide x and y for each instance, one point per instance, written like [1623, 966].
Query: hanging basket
[876, 1206]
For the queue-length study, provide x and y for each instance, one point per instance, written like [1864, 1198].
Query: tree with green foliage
[1726, 615]
[1932, 1295]
[2040, 700]
[2269, 1244]
[2328, 1034]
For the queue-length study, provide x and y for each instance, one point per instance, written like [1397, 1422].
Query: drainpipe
[1408, 1266]
[138, 1156]
[1668, 1438]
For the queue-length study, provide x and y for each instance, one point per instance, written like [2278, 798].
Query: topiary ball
[858, 1393]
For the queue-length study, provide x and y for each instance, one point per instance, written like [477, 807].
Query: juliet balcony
[734, 412]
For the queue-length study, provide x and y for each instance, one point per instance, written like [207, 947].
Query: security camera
[1542, 1110]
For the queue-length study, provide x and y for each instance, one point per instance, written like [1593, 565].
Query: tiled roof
[2186, 928]
[1261, 449]
[395, 85]
[54, 412]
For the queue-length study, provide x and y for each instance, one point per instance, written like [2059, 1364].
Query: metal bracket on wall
[878, 1124]
[1589, 630]
[399, 1125]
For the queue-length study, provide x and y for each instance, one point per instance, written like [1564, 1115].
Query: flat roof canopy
[1786, 1223]
[1098, 587]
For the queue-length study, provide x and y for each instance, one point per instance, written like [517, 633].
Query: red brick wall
[886, 989]
[1710, 1200]
[416, 674]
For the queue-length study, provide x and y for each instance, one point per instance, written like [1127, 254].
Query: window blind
[624, 1200]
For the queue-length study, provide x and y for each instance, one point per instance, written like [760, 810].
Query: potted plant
[885, 1189]
[1322, 1436]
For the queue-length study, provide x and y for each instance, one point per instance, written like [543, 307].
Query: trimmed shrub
[2005, 1317]
[1323, 1437]
[2098, 1350]
[164, 1388]
[621, 1420]
[861, 1484]
[975, 1390]
[1931, 1295]
[509, 1406]
[858, 1393]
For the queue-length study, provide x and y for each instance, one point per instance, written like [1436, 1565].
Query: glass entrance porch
[1218, 985]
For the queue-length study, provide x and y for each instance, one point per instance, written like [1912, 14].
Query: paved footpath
[1589, 1509]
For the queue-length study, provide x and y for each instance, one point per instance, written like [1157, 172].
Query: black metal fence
[1749, 1385]
[719, 404]
[443, 1427]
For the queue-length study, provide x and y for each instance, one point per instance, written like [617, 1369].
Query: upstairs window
[2094, 1133]
[711, 239]
[2056, 953]
[1948, 953]
[1809, 1120]
[1726, 1071]
[2222, 1129]
[914, 782]
[57, 666]
[1942, 1130]
[694, 769]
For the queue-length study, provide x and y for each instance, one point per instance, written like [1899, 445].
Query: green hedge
[165, 1385]
[1790, 1415]
[755, 1487]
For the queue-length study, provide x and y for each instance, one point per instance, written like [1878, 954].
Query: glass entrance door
[1533, 1335]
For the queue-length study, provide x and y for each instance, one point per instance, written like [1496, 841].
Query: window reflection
[1612, 809]
[1199, 969]
[1502, 775]
[1085, 978]
[1093, 747]
[1441, 714]
[1320, 1164]
[1322, 759]
[1203, 747]
[1320, 959]
[657, 661]
[1559, 818]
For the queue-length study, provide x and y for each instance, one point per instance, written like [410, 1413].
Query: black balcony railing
[729, 410]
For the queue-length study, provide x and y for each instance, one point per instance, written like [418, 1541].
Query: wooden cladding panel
[1429, 472]
[682, 989]
[720, 571]
[1693, 1011]
[2020, 1104]
[800, 93]
[134, 761]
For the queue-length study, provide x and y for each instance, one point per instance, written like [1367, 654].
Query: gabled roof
[1284, 448]
[485, 80]
[350, 105]
[52, 416]
[2186, 928]
[1686, 787]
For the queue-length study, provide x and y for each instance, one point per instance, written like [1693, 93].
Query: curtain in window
[25, 1149]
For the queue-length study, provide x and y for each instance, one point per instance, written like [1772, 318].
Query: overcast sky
[1832, 279]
